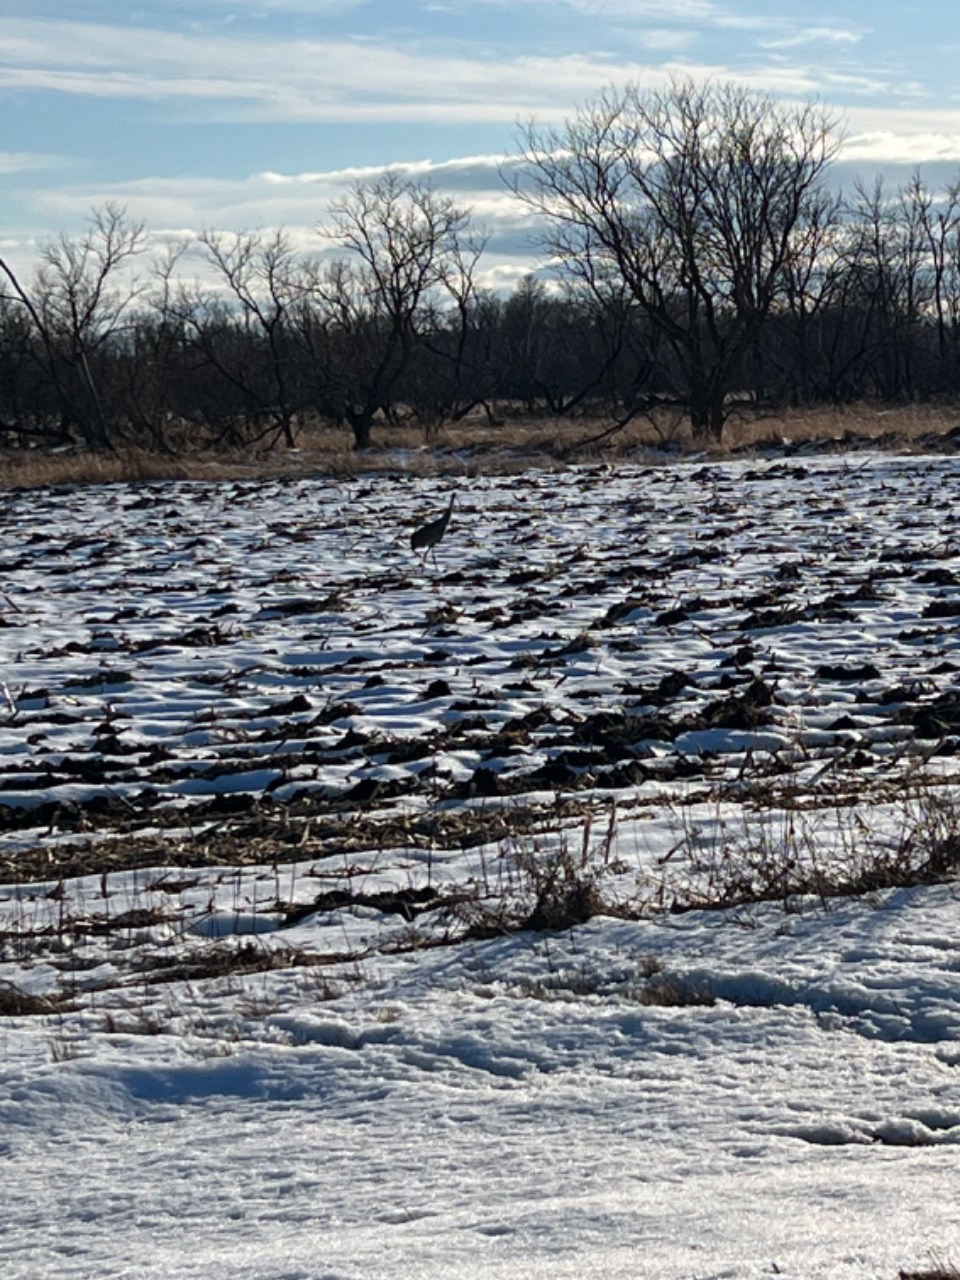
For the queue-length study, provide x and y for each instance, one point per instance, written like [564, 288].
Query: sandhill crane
[426, 537]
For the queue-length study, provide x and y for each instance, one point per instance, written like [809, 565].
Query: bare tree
[22, 420]
[886, 289]
[148, 362]
[407, 244]
[561, 348]
[261, 272]
[939, 220]
[697, 198]
[812, 287]
[77, 305]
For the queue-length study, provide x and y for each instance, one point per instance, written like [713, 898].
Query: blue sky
[243, 114]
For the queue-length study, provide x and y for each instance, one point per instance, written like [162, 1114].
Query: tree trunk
[361, 420]
[707, 417]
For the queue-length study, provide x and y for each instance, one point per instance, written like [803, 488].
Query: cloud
[671, 10]
[272, 198]
[465, 173]
[238, 61]
[666, 39]
[28, 161]
[860, 84]
[815, 35]
[299, 201]
[903, 121]
[312, 7]
[675, 10]
[882, 147]
[236, 78]
[177, 209]
[700, 14]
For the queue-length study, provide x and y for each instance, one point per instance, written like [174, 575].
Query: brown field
[476, 445]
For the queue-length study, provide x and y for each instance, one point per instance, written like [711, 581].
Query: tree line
[696, 264]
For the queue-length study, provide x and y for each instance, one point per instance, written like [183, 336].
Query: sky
[249, 114]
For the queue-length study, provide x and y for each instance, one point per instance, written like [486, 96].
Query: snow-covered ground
[281, 807]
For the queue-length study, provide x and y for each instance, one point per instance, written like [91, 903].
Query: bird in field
[426, 537]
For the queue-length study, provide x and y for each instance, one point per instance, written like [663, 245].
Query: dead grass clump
[545, 887]
[134, 920]
[231, 961]
[938, 1271]
[670, 991]
[142, 1022]
[564, 906]
[554, 987]
[565, 882]
[890, 425]
[658, 990]
[265, 832]
[15, 1003]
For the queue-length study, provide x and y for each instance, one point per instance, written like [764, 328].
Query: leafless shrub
[565, 887]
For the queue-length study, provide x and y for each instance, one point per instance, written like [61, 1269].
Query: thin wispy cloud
[666, 40]
[240, 78]
[699, 14]
[637, 10]
[294, 79]
[836, 36]
[319, 8]
[861, 85]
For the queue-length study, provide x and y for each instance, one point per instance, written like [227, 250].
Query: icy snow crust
[268, 782]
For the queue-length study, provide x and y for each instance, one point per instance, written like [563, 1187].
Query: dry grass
[901, 426]
[775, 853]
[35, 470]
[15, 1003]
[475, 445]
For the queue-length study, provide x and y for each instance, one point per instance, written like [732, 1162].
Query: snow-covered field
[283, 812]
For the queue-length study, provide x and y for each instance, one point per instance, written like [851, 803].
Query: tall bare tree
[407, 244]
[697, 197]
